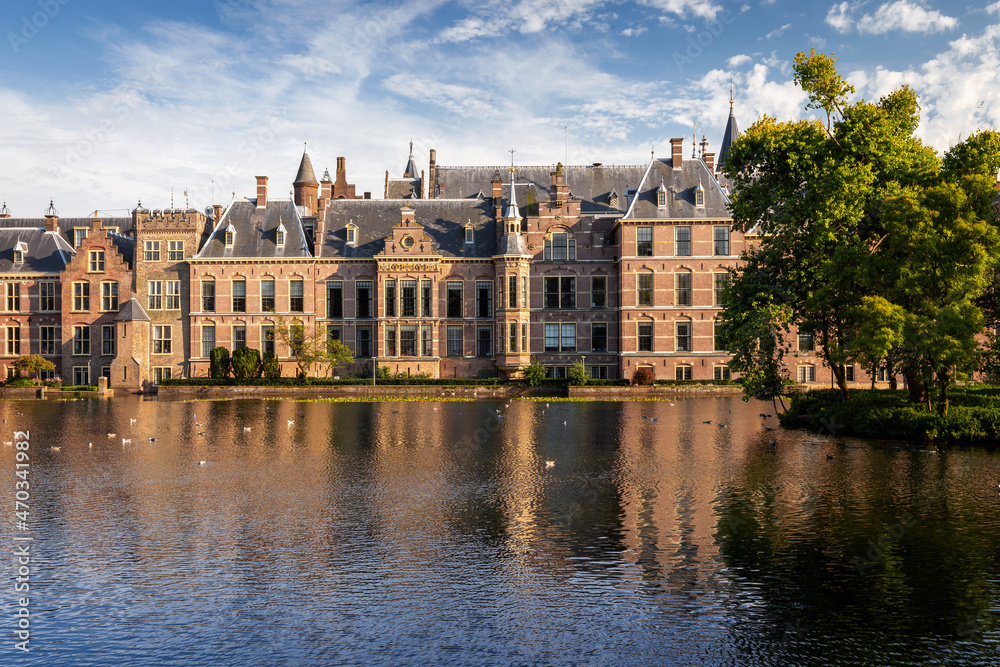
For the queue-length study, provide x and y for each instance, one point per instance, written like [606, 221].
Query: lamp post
[374, 368]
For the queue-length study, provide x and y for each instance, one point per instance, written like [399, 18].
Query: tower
[305, 186]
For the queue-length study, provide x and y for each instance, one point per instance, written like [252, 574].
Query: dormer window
[352, 234]
[661, 195]
[699, 195]
[470, 234]
[19, 249]
[230, 235]
[613, 199]
[279, 235]
[18, 257]
[629, 196]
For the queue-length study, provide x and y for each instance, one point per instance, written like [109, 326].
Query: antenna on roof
[566, 160]
[730, 93]
[171, 199]
[694, 140]
[512, 151]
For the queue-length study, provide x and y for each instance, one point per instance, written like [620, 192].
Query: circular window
[407, 242]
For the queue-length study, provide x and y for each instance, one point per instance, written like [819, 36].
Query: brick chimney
[216, 213]
[52, 223]
[432, 169]
[560, 191]
[710, 162]
[676, 149]
[261, 191]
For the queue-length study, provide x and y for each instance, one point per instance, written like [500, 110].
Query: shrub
[269, 367]
[219, 362]
[578, 375]
[534, 373]
[643, 376]
[245, 363]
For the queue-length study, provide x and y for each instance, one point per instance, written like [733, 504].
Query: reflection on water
[269, 532]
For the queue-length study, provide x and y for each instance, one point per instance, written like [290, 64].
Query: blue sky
[104, 103]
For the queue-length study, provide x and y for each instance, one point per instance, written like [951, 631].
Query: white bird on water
[291, 421]
[132, 421]
[126, 441]
[56, 449]
[203, 463]
[112, 435]
[246, 429]
[550, 464]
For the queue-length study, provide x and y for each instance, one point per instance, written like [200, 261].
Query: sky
[104, 104]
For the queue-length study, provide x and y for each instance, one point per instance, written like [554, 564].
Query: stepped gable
[44, 252]
[443, 220]
[592, 185]
[681, 185]
[256, 232]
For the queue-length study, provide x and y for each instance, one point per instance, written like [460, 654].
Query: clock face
[407, 242]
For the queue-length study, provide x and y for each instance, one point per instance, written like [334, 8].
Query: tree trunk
[841, 376]
[943, 381]
[916, 387]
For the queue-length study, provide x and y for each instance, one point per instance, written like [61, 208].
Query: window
[81, 296]
[364, 299]
[569, 337]
[13, 297]
[849, 373]
[408, 297]
[683, 289]
[408, 340]
[470, 235]
[682, 241]
[363, 341]
[279, 237]
[806, 342]
[560, 337]
[599, 372]
[501, 331]
[175, 251]
[484, 341]
[239, 336]
[230, 236]
[722, 240]
[682, 372]
[524, 338]
[426, 296]
[721, 283]
[267, 339]
[18, 256]
[267, 295]
[484, 300]
[352, 234]
[454, 288]
[683, 336]
[390, 341]
[524, 291]
[239, 296]
[645, 337]
[880, 375]
[644, 289]
[661, 197]
[598, 291]
[717, 336]
[81, 339]
[173, 294]
[512, 291]
[79, 234]
[560, 247]
[109, 297]
[81, 376]
[46, 296]
[512, 337]
[334, 298]
[807, 373]
[599, 337]
[105, 372]
[160, 373]
[390, 298]
[644, 241]
[560, 292]
[456, 344]
[14, 341]
[296, 296]
[699, 196]
[47, 340]
[108, 340]
[557, 372]
[151, 251]
[722, 373]
[96, 261]
[208, 296]
[334, 332]
[425, 340]
[155, 289]
[161, 340]
[207, 339]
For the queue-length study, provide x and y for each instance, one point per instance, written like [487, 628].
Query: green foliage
[219, 362]
[534, 373]
[33, 363]
[643, 376]
[310, 347]
[269, 367]
[384, 372]
[578, 375]
[245, 363]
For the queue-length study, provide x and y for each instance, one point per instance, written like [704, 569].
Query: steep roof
[45, 252]
[306, 173]
[132, 311]
[410, 170]
[256, 231]
[443, 221]
[593, 184]
[681, 185]
[731, 134]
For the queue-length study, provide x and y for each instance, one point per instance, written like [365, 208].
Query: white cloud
[839, 17]
[777, 32]
[737, 60]
[993, 9]
[705, 9]
[907, 17]
[633, 32]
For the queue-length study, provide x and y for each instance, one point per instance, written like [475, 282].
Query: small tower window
[19, 249]
[352, 234]
[699, 195]
[470, 234]
[279, 236]
[661, 195]
[230, 236]
[18, 256]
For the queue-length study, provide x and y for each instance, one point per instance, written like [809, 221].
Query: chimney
[560, 191]
[368, 195]
[710, 162]
[676, 148]
[422, 181]
[216, 213]
[261, 191]
[433, 170]
[51, 223]
[385, 193]
[96, 226]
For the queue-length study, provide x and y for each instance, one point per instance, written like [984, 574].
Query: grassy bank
[973, 416]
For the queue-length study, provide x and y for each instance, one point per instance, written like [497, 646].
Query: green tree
[33, 363]
[245, 363]
[310, 346]
[534, 373]
[578, 375]
[270, 368]
[218, 359]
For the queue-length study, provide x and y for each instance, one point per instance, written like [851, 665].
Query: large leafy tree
[834, 200]
[310, 346]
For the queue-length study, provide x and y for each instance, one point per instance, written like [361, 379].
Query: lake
[525, 532]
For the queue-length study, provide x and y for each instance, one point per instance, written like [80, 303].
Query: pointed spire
[512, 209]
[730, 95]
[694, 140]
[731, 134]
[410, 171]
[306, 173]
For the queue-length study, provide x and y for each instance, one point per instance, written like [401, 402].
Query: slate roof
[256, 231]
[443, 220]
[591, 184]
[132, 311]
[731, 134]
[46, 252]
[306, 173]
[125, 246]
[681, 185]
